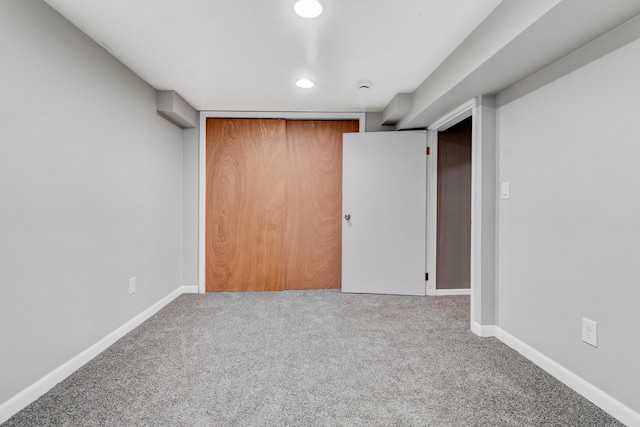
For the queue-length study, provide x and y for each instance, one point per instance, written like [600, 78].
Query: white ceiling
[246, 55]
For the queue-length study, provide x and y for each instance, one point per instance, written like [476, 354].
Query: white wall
[373, 123]
[569, 236]
[90, 194]
[483, 267]
[191, 180]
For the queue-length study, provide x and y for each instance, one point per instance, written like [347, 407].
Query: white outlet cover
[132, 286]
[590, 332]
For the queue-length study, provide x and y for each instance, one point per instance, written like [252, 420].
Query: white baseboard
[483, 330]
[623, 413]
[190, 289]
[442, 292]
[46, 383]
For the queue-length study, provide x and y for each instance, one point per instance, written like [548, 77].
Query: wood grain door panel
[274, 204]
[245, 199]
[313, 248]
[453, 257]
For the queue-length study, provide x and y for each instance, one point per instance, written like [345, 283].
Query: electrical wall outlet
[590, 332]
[132, 286]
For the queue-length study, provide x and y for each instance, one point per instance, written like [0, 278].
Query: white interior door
[384, 196]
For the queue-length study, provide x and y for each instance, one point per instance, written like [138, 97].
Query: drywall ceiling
[246, 55]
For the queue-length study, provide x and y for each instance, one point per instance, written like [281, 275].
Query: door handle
[347, 217]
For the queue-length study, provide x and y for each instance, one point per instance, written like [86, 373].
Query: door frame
[483, 201]
[453, 118]
[202, 160]
[435, 140]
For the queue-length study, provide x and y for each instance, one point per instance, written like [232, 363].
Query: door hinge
[426, 276]
[428, 151]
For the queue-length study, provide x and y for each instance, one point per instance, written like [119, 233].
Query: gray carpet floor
[310, 358]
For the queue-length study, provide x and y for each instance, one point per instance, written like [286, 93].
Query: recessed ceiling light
[308, 8]
[304, 83]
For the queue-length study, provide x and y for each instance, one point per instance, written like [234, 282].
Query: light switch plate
[504, 192]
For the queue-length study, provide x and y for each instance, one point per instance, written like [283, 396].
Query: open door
[384, 212]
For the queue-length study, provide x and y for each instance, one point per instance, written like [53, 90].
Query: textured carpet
[310, 358]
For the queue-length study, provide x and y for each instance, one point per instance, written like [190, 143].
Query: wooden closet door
[453, 257]
[313, 248]
[245, 205]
